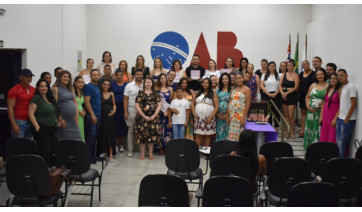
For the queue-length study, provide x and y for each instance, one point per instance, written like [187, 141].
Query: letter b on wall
[226, 42]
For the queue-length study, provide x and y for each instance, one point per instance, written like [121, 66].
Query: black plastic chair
[313, 194]
[74, 155]
[163, 190]
[359, 199]
[272, 151]
[17, 146]
[183, 159]
[275, 150]
[284, 174]
[223, 147]
[232, 165]
[233, 191]
[346, 175]
[28, 179]
[359, 153]
[319, 153]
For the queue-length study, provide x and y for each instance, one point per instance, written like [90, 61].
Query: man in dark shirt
[195, 84]
[107, 70]
[170, 77]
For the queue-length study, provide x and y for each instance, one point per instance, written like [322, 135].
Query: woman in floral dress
[238, 108]
[147, 128]
[314, 102]
[223, 93]
[165, 93]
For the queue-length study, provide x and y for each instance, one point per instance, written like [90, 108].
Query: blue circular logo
[170, 46]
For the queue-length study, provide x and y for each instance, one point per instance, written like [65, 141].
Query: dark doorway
[10, 68]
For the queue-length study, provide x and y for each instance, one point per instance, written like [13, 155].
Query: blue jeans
[24, 126]
[178, 131]
[344, 133]
[91, 133]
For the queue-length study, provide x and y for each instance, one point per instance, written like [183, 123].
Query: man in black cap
[18, 99]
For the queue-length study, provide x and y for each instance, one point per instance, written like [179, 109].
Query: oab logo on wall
[170, 46]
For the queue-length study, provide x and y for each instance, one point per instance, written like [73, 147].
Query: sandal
[142, 157]
[151, 157]
[111, 158]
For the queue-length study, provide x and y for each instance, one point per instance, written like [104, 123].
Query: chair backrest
[163, 190]
[359, 153]
[287, 172]
[182, 155]
[73, 154]
[18, 146]
[223, 147]
[345, 174]
[273, 151]
[27, 176]
[220, 191]
[313, 194]
[319, 153]
[236, 165]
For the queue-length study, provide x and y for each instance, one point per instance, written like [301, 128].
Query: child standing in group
[180, 109]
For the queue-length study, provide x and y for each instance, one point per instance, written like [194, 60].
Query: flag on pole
[288, 52]
[296, 69]
[304, 57]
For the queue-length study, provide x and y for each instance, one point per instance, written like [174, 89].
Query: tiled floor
[121, 180]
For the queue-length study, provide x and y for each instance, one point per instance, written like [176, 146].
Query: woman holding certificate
[212, 70]
[204, 109]
[229, 64]
[177, 67]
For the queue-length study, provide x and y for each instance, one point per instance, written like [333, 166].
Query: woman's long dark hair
[221, 85]
[75, 87]
[335, 89]
[267, 74]
[210, 92]
[49, 94]
[187, 88]
[247, 148]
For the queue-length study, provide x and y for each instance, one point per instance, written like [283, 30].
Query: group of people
[105, 106]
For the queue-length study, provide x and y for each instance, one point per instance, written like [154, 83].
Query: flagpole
[306, 49]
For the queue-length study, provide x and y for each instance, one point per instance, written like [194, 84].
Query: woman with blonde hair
[157, 69]
[63, 92]
[140, 64]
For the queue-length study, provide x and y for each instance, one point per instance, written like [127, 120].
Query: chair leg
[99, 187]
[91, 201]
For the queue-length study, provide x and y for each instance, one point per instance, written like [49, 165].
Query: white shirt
[208, 74]
[181, 105]
[271, 85]
[348, 91]
[131, 91]
[100, 67]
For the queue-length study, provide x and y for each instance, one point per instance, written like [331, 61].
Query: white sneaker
[130, 155]
[121, 149]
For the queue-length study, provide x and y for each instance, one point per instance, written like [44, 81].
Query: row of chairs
[283, 170]
[27, 174]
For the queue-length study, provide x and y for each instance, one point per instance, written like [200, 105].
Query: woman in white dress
[85, 73]
[204, 109]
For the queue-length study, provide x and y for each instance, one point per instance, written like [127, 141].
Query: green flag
[296, 59]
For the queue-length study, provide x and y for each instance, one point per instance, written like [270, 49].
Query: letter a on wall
[202, 50]
[226, 42]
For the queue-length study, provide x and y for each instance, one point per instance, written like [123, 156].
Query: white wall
[337, 38]
[128, 30]
[39, 29]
